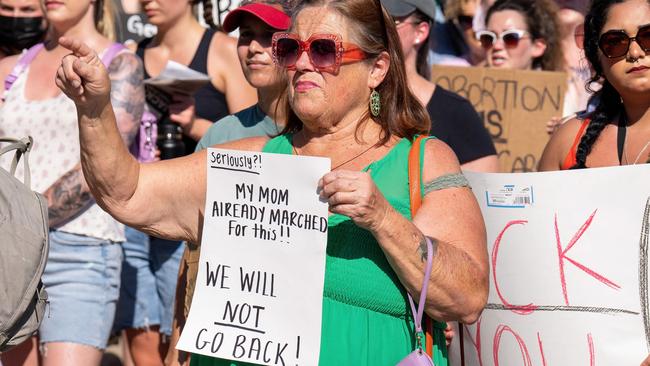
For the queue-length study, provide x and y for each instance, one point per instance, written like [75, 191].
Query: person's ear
[379, 70]
[422, 32]
[539, 47]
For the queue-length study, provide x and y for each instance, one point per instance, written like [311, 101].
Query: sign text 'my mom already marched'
[259, 292]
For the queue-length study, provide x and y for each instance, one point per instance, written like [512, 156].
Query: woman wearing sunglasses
[349, 102]
[617, 132]
[522, 35]
[460, 19]
[617, 45]
[453, 119]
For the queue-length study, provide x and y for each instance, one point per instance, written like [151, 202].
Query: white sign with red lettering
[568, 269]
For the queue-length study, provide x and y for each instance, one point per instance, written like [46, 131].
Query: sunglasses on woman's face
[326, 52]
[510, 38]
[616, 43]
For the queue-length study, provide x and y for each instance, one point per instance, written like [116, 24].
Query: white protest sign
[568, 269]
[259, 289]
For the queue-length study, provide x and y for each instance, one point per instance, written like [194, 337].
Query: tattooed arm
[127, 94]
[69, 196]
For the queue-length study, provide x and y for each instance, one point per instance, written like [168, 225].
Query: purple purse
[144, 146]
[419, 357]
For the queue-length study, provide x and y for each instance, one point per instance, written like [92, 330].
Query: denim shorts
[149, 276]
[82, 279]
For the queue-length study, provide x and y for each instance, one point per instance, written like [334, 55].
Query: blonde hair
[105, 18]
[454, 8]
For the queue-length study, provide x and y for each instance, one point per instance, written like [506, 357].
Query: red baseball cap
[272, 16]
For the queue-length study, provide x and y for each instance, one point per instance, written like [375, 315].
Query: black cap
[402, 8]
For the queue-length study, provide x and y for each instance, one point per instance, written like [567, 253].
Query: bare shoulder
[559, 145]
[223, 53]
[439, 160]
[222, 45]
[7, 64]
[568, 130]
[247, 144]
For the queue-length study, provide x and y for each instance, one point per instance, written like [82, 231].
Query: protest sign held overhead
[568, 269]
[514, 105]
[259, 292]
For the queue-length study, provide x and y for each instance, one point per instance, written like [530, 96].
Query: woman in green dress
[342, 57]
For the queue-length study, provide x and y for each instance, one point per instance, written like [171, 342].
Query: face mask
[17, 34]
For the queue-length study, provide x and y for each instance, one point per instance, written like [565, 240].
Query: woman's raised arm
[161, 198]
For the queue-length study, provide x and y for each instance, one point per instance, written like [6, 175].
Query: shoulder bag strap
[620, 136]
[415, 197]
[111, 52]
[417, 314]
[22, 64]
[414, 175]
[22, 147]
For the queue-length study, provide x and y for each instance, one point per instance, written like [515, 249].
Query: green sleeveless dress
[366, 317]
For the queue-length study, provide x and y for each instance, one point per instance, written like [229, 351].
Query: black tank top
[210, 103]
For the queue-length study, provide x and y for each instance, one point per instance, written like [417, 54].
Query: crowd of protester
[128, 269]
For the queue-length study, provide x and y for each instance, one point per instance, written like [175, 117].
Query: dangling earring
[375, 103]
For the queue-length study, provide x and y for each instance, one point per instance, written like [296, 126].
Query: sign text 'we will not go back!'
[259, 289]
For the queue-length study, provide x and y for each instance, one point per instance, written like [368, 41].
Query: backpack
[23, 250]
[144, 146]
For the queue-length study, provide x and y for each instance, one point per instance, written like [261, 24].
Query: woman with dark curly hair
[617, 132]
[523, 35]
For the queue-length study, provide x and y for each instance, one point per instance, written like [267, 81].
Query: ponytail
[609, 106]
[105, 18]
[208, 14]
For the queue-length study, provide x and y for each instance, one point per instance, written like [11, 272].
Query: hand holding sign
[182, 111]
[355, 194]
[259, 294]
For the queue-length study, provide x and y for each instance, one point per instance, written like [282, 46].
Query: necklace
[295, 150]
[636, 160]
[638, 156]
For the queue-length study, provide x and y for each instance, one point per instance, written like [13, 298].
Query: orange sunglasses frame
[345, 52]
